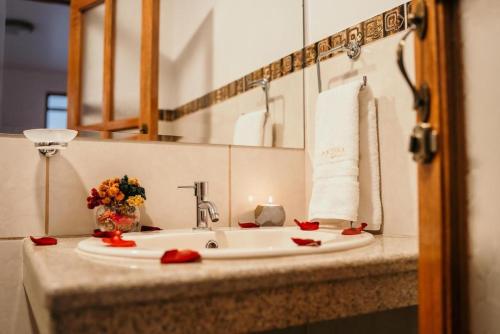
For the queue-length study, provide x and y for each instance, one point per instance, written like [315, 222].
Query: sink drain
[212, 244]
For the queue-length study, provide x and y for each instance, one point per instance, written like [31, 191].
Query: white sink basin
[231, 243]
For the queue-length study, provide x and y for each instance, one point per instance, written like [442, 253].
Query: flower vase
[124, 218]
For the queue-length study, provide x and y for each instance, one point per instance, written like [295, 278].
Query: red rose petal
[180, 256]
[354, 230]
[44, 241]
[249, 225]
[307, 225]
[150, 228]
[306, 242]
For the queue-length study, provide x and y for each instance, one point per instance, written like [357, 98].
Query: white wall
[24, 94]
[204, 46]
[220, 41]
[480, 27]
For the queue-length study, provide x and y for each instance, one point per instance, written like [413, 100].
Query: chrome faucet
[203, 206]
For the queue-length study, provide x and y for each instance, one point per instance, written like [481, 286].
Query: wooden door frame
[148, 114]
[443, 283]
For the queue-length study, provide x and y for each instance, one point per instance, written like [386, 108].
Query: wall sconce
[49, 141]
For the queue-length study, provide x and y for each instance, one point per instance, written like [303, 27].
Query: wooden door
[442, 188]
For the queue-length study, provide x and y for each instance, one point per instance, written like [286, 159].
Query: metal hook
[421, 96]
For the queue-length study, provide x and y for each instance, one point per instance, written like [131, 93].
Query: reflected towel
[249, 129]
[335, 191]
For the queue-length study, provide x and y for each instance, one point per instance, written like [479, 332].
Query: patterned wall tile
[298, 60]
[310, 52]
[257, 75]
[356, 33]
[266, 72]
[286, 65]
[374, 28]
[394, 20]
[324, 45]
[240, 85]
[276, 70]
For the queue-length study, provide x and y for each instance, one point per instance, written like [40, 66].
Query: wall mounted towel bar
[353, 50]
[264, 83]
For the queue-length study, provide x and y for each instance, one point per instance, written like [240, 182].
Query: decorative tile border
[386, 24]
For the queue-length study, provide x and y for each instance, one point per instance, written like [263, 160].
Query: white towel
[370, 201]
[336, 193]
[249, 129]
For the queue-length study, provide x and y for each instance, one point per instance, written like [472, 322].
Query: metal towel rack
[264, 83]
[353, 50]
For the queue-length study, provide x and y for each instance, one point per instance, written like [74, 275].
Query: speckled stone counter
[70, 293]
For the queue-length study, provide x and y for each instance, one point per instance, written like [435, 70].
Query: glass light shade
[49, 141]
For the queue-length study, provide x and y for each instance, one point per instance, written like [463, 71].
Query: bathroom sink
[227, 243]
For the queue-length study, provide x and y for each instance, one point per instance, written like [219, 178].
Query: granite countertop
[67, 290]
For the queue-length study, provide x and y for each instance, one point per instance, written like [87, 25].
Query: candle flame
[270, 200]
[250, 198]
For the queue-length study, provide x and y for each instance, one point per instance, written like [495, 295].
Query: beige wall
[394, 104]
[480, 26]
[233, 173]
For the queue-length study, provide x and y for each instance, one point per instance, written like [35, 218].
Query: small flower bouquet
[118, 201]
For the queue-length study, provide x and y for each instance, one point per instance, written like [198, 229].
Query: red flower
[44, 241]
[307, 225]
[93, 200]
[306, 242]
[180, 256]
[354, 230]
[249, 225]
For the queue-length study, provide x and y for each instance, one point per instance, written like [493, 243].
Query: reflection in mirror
[227, 70]
[34, 48]
[92, 65]
[210, 54]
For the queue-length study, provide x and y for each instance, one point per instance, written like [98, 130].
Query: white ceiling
[46, 48]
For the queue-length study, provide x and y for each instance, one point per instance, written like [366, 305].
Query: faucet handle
[200, 189]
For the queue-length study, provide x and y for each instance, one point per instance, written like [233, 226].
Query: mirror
[213, 58]
[225, 71]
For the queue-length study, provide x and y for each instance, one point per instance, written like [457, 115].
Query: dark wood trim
[443, 290]
[149, 68]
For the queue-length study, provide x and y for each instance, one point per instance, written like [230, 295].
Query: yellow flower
[133, 181]
[120, 196]
[113, 191]
[135, 200]
[106, 200]
[103, 187]
[102, 194]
